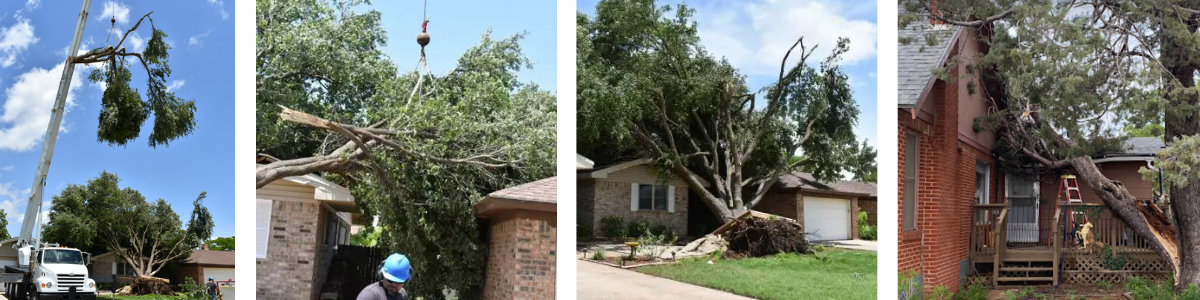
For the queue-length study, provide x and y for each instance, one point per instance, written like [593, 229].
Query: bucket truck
[48, 271]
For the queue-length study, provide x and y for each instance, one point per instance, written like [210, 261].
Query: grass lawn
[833, 274]
[149, 297]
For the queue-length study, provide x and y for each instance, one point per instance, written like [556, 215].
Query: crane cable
[422, 69]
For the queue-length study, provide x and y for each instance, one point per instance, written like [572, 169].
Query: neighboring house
[951, 191]
[204, 264]
[634, 191]
[825, 210]
[522, 234]
[300, 221]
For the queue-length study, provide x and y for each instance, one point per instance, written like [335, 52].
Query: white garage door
[218, 274]
[827, 218]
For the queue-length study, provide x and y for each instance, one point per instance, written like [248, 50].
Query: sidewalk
[599, 282]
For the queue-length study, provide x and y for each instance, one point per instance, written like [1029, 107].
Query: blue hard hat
[395, 268]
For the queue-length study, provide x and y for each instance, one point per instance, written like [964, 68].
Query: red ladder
[1069, 186]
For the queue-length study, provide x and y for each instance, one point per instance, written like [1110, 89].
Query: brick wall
[521, 256]
[871, 206]
[193, 271]
[612, 199]
[585, 204]
[784, 203]
[288, 270]
[102, 268]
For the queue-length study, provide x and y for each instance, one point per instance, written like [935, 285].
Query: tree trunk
[1182, 118]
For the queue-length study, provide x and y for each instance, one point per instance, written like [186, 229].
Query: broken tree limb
[363, 143]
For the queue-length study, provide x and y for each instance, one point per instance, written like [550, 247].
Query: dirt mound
[757, 237]
[147, 286]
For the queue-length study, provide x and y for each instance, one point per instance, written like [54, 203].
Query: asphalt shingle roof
[1141, 146]
[918, 57]
[210, 257]
[545, 190]
[806, 180]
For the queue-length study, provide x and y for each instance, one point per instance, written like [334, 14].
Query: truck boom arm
[34, 209]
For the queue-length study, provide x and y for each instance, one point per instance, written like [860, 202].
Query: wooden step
[1026, 269]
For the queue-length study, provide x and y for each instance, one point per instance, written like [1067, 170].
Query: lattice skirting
[1089, 270]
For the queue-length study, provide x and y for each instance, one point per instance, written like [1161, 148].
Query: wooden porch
[1028, 245]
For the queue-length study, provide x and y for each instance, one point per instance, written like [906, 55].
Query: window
[262, 227]
[333, 229]
[652, 197]
[910, 181]
[62, 257]
[122, 269]
[982, 184]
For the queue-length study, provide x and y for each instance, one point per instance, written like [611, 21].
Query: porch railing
[992, 231]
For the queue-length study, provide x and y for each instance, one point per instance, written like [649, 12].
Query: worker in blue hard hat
[395, 271]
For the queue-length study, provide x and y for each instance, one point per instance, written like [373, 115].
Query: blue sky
[34, 36]
[455, 26]
[754, 35]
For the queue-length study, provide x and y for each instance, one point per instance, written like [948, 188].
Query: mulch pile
[757, 237]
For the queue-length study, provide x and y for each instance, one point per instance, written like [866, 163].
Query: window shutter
[671, 198]
[633, 197]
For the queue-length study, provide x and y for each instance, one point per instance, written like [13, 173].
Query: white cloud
[112, 9]
[175, 84]
[8, 168]
[220, 6]
[755, 35]
[197, 40]
[14, 40]
[29, 6]
[26, 108]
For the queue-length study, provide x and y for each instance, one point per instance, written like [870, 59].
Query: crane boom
[33, 210]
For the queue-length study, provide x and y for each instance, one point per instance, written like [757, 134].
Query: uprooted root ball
[758, 237]
[146, 286]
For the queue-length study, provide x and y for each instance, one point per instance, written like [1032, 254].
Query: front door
[1022, 210]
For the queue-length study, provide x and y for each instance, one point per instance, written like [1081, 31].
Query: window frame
[912, 168]
[655, 190]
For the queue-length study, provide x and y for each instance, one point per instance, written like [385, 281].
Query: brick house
[299, 222]
[204, 263]
[522, 234]
[948, 172]
[632, 190]
[825, 209]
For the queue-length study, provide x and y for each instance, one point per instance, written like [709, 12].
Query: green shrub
[977, 291]
[613, 227]
[868, 232]
[1143, 289]
[599, 255]
[660, 229]
[637, 228]
[583, 232]
[1023, 293]
[192, 290]
[654, 245]
[910, 285]
[939, 293]
[1111, 260]
[1104, 285]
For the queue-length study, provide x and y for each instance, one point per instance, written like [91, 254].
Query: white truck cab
[58, 269]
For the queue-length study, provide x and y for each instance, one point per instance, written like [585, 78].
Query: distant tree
[4, 225]
[367, 236]
[102, 216]
[221, 244]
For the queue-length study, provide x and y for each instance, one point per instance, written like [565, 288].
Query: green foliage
[3, 225]
[103, 217]
[940, 293]
[122, 109]
[599, 254]
[978, 290]
[1111, 259]
[367, 236]
[613, 227]
[583, 232]
[1024, 293]
[1177, 162]
[1143, 289]
[911, 286]
[191, 290]
[865, 230]
[637, 228]
[1104, 285]
[222, 244]
[325, 58]
[655, 245]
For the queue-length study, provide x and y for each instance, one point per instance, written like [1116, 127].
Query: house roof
[583, 163]
[603, 172]
[325, 191]
[211, 258]
[918, 57]
[541, 196]
[806, 182]
[1143, 146]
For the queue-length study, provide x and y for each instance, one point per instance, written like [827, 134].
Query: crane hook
[423, 37]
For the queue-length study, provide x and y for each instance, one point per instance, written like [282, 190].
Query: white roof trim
[603, 173]
[583, 163]
[323, 189]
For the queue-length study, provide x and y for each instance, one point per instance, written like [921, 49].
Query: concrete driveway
[852, 244]
[599, 282]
